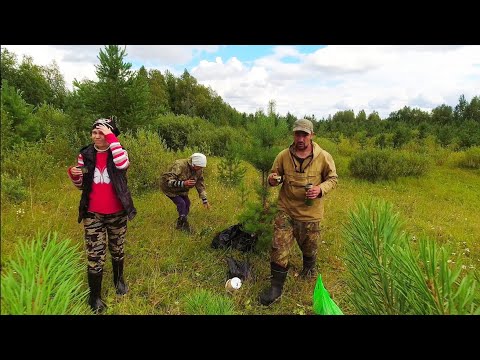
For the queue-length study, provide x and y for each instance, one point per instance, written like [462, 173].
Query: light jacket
[319, 170]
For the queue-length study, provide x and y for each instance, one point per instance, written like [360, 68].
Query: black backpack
[236, 238]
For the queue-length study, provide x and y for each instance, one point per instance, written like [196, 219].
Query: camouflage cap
[303, 125]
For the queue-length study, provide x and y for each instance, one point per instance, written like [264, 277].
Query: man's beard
[300, 146]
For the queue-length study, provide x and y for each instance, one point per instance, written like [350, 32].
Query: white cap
[199, 160]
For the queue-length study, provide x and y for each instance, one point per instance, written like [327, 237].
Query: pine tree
[114, 77]
[230, 169]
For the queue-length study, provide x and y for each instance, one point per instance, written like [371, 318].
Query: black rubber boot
[308, 270]
[118, 280]
[180, 221]
[95, 283]
[279, 275]
[185, 226]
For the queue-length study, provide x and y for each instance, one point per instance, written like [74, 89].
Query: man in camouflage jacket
[183, 175]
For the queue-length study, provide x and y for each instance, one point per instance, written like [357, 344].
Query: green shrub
[204, 302]
[348, 147]
[212, 140]
[182, 131]
[371, 231]
[471, 159]
[6, 131]
[45, 277]
[433, 283]
[441, 156]
[230, 169]
[259, 220]
[387, 164]
[53, 121]
[412, 164]
[175, 130]
[326, 144]
[13, 188]
[231, 172]
[372, 165]
[60, 139]
[19, 112]
[62, 149]
[454, 159]
[148, 160]
[242, 191]
[30, 161]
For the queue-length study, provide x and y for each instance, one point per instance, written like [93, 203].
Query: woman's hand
[76, 171]
[104, 129]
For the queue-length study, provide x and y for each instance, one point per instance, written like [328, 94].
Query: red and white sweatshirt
[103, 198]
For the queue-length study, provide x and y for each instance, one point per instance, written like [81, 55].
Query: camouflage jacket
[180, 171]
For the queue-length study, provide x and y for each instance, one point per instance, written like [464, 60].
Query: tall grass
[45, 277]
[471, 158]
[203, 302]
[387, 276]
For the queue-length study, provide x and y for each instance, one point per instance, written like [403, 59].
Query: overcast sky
[313, 79]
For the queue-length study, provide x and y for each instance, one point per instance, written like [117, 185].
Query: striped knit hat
[110, 123]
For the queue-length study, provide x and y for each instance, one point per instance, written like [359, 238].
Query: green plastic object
[322, 302]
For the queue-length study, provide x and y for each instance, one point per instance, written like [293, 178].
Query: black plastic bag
[234, 237]
[242, 270]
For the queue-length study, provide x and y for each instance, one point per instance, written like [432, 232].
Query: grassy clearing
[164, 267]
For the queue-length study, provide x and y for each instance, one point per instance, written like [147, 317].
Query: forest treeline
[36, 104]
[164, 117]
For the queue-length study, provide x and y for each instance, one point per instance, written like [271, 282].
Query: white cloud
[78, 61]
[333, 78]
[346, 59]
[218, 70]
[167, 54]
[373, 78]
[74, 61]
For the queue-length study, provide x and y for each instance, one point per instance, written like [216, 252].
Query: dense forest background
[36, 104]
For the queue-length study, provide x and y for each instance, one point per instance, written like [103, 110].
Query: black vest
[118, 178]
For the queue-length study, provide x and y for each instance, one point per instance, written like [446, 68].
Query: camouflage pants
[307, 235]
[99, 227]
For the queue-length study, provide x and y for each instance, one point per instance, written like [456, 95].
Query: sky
[303, 80]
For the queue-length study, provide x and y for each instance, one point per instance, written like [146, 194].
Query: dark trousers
[183, 204]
